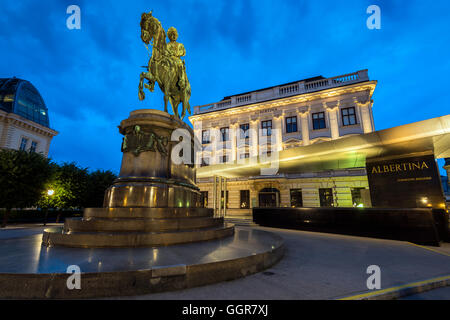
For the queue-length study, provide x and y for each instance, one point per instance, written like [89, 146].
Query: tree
[23, 176]
[98, 182]
[69, 185]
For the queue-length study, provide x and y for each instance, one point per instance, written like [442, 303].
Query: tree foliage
[69, 184]
[26, 178]
[23, 176]
[98, 182]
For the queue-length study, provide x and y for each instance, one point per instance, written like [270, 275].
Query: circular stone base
[30, 270]
[58, 237]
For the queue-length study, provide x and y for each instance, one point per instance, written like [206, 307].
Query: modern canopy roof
[431, 135]
[22, 98]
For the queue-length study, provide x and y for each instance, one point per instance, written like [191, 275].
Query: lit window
[318, 120]
[245, 199]
[205, 137]
[266, 127]
[296, 198]
[244, 131]
[33, 146]
[326, 197]
[23, 144]
[224, 133]
[291, 124]
[348, 116]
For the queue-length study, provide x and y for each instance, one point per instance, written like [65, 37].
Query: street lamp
[50, 192]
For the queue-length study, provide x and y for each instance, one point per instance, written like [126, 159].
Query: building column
[366, 115]
[254, 137]
[198, 154]
[233, 140]
[278, 126]
[214, 136]
[305, 127]
[333, 117]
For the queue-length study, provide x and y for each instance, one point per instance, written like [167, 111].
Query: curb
[403, 290]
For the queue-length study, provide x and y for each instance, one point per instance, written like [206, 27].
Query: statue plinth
[148, 177]
[153, 202]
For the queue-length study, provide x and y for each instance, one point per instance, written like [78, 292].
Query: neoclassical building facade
[24, 121]
[258, 123]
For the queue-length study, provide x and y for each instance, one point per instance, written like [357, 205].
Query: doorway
[269, 197]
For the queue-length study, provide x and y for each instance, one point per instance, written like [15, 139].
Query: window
[205, 137]
[318, 120]
[245, 199]
[205, 162]
[244, 155]
[23, 144]
[356, 196]
[266, 127]
[291, 124]
[224, 134]
[204, 199]
[33, 146]
[348, 116]
[326, 197]
[267, 153]
[224, 159]
[296, 198]
[244, 131]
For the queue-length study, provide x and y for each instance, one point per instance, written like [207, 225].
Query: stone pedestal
[154, 201]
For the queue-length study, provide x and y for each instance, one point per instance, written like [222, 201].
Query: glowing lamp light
[50, 192]
[360, 205]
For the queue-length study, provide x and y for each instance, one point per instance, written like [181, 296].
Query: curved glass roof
[22, 98]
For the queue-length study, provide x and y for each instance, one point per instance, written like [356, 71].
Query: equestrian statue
[165, 65]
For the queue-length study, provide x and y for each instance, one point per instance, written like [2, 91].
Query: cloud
[89, 77]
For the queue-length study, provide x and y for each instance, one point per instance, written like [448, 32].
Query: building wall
[305, 134]
[341, 184]
[13, 128]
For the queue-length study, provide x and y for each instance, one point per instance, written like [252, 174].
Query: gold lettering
[386, 169]
[404, 166]
[374, 170]
[397, 167]
[415, 165]
[424, 165]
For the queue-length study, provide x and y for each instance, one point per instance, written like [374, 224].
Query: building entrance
[269, 197]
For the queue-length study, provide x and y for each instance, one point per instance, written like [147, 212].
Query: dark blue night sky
[89, 77]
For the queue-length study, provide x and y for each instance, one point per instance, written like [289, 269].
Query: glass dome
[22, 98]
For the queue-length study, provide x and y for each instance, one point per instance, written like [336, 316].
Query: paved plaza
[315, 266]
[328, 266]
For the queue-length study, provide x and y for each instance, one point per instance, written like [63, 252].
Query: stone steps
[240, 221]
[139, 224]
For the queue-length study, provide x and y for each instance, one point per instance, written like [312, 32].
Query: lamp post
[50, 193]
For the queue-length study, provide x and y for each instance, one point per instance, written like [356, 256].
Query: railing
[284, 91]
[242, 99]
[289, 89]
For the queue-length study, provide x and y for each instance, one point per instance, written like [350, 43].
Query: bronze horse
[163, 68]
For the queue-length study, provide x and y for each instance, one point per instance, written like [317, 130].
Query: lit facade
[24, 121]
[296, 114]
